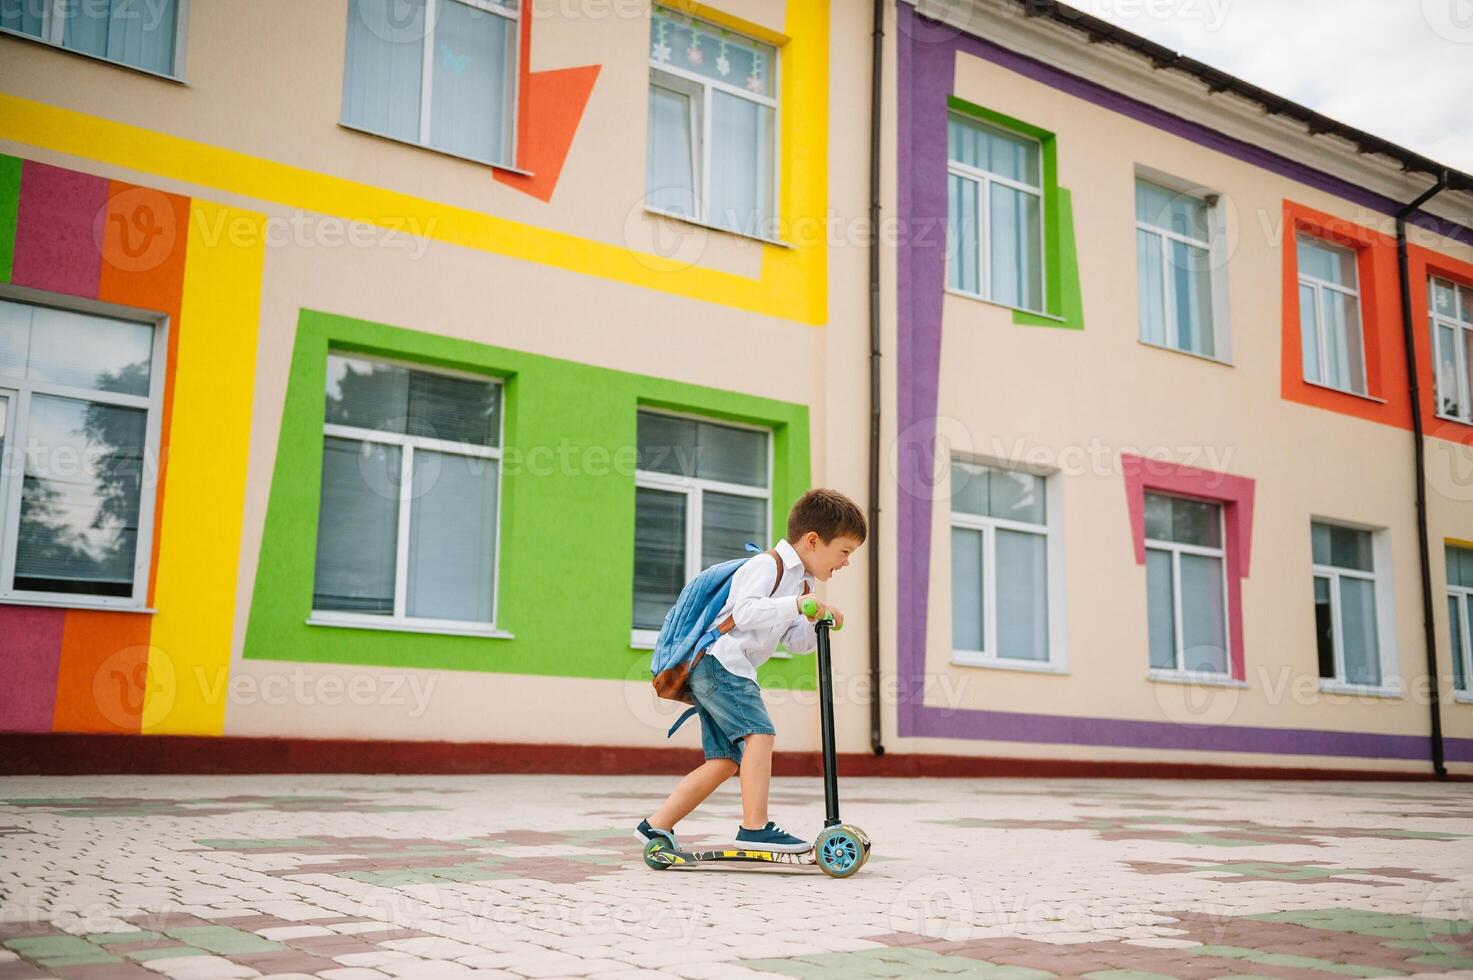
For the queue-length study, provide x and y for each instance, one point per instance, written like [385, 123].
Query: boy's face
[823, 558]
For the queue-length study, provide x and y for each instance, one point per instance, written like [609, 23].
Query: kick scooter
[841, 849]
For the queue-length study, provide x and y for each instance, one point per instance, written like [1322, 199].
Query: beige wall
[1005, 388]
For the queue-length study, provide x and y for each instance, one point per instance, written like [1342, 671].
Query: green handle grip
[810, 607]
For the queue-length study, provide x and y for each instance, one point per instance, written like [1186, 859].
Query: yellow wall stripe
[204, 489]
[792, 285]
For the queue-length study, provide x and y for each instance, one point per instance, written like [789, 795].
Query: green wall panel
[9, 207]
[564, 586]
[1062, 300]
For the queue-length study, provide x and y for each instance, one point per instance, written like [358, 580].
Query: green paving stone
[1443, 959]
[225, 940]
[1424, 946]
[1290, 960]
[46, 947]
[165, 953]
[81, 959]
[896, 961]
[1126, 975]
[1386, 925]
[141, 936]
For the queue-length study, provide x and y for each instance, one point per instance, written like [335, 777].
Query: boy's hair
[828, 512]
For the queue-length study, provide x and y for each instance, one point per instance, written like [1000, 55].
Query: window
[79, 396]
[142, 34]
[1452, 347]
[1185, 585]
[995, 214]
[1000, 542]
[1173, 236]
[1460, 615]
[1345, 605]
[437, 73]
[702, 492]
[407, 528]
[1329, 316]
[712, 125]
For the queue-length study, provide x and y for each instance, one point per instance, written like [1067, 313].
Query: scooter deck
[671, 858]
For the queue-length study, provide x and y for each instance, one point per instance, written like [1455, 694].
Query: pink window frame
[1233, 493]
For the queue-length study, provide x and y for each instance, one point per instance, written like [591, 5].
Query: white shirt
[762, 620]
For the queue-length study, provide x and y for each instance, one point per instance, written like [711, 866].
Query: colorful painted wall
[72, 234]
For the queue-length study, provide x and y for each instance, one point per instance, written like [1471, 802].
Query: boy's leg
[698, 784]
[756, 780]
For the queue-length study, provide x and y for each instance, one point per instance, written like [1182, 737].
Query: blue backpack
[687, 631]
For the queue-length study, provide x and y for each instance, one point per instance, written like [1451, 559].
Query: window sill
[1345, 391]
[484, 632]
[963, 658]
[1194, 677]
[75, 604]
[978, 298]
[1463, 697]
[725, 231]
[508, 168]
[1340, 687]
[1453, 418]
[1209, 358]
[176, 79]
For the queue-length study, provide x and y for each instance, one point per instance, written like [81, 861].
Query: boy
[824, 529]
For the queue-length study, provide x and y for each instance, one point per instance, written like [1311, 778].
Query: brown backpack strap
[728, 624]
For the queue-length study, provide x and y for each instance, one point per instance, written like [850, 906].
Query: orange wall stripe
[102, 677]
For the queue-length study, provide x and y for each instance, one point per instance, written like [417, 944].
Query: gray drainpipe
[877, 62]
[1424, 546]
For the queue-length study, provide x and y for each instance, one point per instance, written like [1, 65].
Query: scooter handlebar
[810, 608]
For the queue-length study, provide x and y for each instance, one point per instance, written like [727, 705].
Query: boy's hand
[820, 610]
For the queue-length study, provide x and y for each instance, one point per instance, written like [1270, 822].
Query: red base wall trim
[61, 754]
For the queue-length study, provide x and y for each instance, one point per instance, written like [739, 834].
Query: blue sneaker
[772, 838]
[644, 833]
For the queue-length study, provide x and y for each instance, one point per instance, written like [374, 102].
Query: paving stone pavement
[359, 877]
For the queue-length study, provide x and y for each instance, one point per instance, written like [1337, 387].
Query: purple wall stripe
[1014, 726]
[926, 70]
[56, 242]
[29, 654]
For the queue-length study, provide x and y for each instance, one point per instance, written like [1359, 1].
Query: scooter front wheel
[841, 851]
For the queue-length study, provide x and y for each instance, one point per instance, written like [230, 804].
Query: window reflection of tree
[56, 554]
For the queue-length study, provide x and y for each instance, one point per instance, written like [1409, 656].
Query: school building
[373, 373]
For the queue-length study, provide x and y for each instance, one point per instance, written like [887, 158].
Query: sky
[1399, 69]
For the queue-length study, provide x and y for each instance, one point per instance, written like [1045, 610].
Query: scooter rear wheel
[654, 856]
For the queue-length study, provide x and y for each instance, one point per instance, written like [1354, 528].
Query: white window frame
[701, 134]
[426, 82]
[1321, 343]
[1216, 246]
[1390, 685]
[1463, 595]
[984, 179]
[12, 478]
[1051, 530]
[53, 31]
[408, 445]
[693, 489]
[1176, 549]
[1461, 324]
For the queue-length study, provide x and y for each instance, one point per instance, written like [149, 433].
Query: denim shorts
[730, 709]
